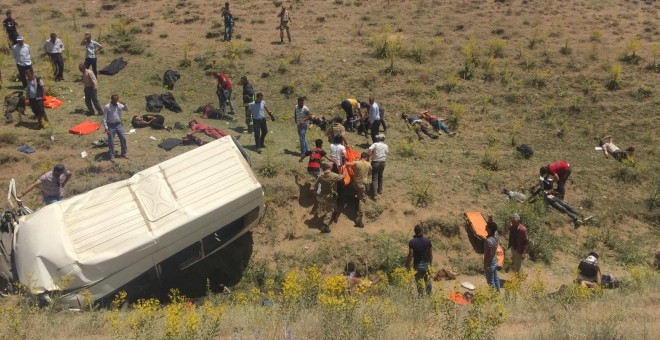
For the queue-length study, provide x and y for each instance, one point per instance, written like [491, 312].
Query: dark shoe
[124, 157]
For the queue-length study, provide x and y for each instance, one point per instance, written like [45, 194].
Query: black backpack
[154, 103]
[170, 103]
[525, 150]
[169, 78]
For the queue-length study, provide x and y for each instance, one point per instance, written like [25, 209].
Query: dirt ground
[557, 102]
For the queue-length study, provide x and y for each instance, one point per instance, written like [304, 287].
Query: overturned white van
[165, 218]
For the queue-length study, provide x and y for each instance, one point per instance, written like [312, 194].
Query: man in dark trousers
[248, 97]
[560, 172]
[420, 253]
[54, 48]
[10, 27]
[21, 53]
[35, 94]
[258, 109]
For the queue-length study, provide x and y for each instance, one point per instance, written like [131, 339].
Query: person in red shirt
[224, 91]
[316, 156]
[518, 243]
[560, 171]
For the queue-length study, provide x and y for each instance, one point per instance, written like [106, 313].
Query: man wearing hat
[518, 242]
[378, 153]
[21, 53]
[302, 116]
[52, 184]
[420, 253]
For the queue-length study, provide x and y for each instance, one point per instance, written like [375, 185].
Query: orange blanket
[458, 298]
[49, 102]
[351, 155]
[84, 128]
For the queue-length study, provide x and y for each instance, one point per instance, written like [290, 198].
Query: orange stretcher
[475, 226]
[84, 128]
[458, 298]
[50, 102]
[351, 155]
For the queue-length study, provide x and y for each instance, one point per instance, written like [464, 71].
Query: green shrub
[445, 228]
[615, 77]
[9, 138]
[421, 194]
[495, 48]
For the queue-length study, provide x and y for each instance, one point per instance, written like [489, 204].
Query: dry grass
[517, 69]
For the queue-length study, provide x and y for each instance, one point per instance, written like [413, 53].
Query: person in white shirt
[112, 124]
[374, 118]
[54, 48]
[337, 153]
[91, 49]
[302, 116]
[21, 53]
[610, 149]
[377, 154]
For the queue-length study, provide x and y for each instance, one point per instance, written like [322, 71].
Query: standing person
[302, 116]
[224, 92]
[326, 197]
[258, 109]
[359, 182]
[560, 172]
[91, 49]
[420, 253]
[228, 19]
[112, 124]
[437, 123]
[352, 108]
[374, 119]
[35, 94]
[248, 97]
[490, 254]
[54, 48]
[518, 243]
[285, 22]
[316, 156]
[90, 84]
[21, 53]
[52, 184]
[10, 27]
[378, 153]
[337, 153]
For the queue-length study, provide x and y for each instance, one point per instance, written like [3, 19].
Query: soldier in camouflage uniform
[326, 197]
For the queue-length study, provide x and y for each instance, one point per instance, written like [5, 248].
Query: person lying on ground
[589, 271]
[156, 122]
[210, 131]
[419, 126]
[609, 149]
[552, 199]
[316, 156]
[515, 195]
[437, 123]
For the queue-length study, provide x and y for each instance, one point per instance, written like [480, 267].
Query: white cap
[591, 259]
[467, 285]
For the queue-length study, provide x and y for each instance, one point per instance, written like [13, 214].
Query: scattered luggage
[114, 67]
[169, 78]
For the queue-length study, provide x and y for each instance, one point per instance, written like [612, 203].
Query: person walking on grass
[316, 156]
[248, 97]
[54, 48]
[490, 254]
[35, 94]
[359, 182]
[90, 88]
[301, 117]
[374, 118]
[326, 197]
[10, 26]
[92, 48]
[560, 171]
[224, 92]
[378, 153]
[52, 184]
[259, 109]
[420, 254]
[112, 124]
[228, 20]
[285, 23]
[21, 53]
[518, 243]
